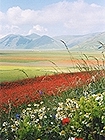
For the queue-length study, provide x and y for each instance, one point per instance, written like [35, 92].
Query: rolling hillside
[37, 42]
[91, 43]
[32, 41]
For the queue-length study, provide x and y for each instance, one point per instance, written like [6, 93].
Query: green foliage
[78, 112]
[43, 119]
[88, 119]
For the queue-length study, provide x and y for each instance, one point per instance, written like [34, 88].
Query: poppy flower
[78, 139]
[65, 121]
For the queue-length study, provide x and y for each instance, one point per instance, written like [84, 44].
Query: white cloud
[17, 16]
[7, 29]
[2, 16]
[64, 17]
[38, 29]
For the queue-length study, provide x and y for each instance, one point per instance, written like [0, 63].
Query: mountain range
[36, 42]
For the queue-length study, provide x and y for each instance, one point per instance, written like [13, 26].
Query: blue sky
[51, 17]
[31, 4]
[37, 4]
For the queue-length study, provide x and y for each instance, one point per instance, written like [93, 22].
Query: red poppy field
[31, 89]
[28, 90]
[71, 115]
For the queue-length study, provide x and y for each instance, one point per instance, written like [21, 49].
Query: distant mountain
[32, 41]
[33, 36]
[91, 43]
[83, 42]
[37, 42]
[14, 42]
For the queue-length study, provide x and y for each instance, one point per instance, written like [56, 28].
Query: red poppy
[78, 139]
[29, 90]
[65, 121]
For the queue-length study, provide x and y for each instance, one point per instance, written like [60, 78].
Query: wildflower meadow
[62, 106]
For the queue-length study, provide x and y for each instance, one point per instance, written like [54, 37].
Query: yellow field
[15, 65]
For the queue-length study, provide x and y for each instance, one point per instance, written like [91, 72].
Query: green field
[16, 65]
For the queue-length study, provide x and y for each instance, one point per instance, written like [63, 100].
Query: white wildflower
[45, 117]
[99, 97]
[41, 102]
[28, 109]
[52, 123]
[13, 128]
[5, 123]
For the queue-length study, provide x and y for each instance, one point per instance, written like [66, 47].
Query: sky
[51, 17]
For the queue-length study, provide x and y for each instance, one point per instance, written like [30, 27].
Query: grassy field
[32, 108]
[16, 65]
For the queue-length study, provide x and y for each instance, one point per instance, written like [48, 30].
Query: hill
[74, 42]
[32, 41]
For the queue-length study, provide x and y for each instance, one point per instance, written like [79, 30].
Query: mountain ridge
[37, 42]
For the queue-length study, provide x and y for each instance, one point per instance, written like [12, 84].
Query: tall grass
[77, 112]
[43, 119]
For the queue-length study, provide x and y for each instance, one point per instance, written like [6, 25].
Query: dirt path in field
[62, 63]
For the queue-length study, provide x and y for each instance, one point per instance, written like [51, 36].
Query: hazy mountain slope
[44, 42]
[34, 41]
[14, 42]
[74, 40]
[33, 36]
[92, 43]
